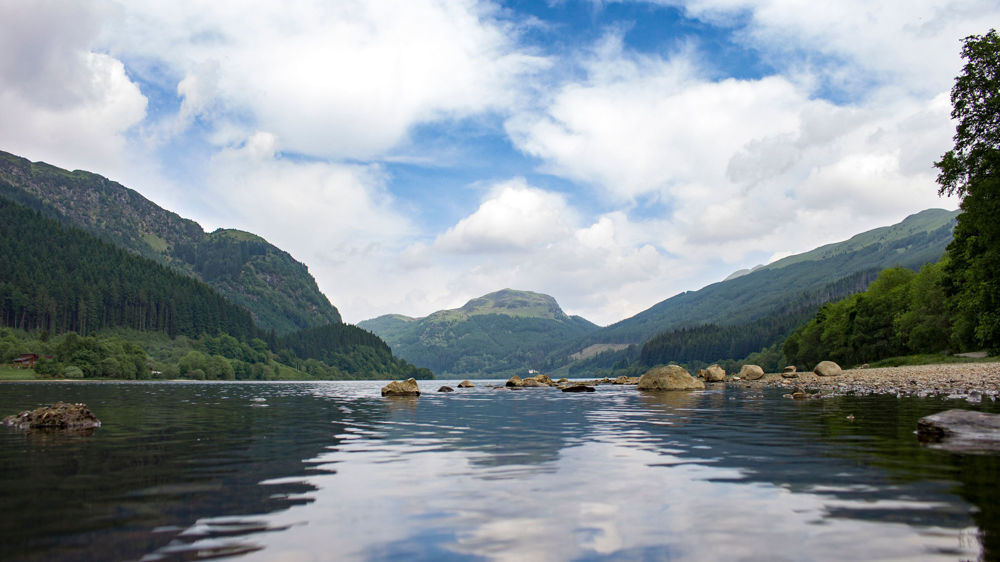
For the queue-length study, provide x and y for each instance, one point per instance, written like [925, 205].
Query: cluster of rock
[670, 377]
[58, 416]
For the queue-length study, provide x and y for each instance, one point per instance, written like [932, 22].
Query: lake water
[332, 471]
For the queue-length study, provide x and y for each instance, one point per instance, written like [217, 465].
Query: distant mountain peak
[515, 303]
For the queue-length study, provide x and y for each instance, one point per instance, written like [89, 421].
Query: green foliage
[975, 101]
[900, 313]
[972, 170]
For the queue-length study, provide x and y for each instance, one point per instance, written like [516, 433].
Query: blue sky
[418, 154]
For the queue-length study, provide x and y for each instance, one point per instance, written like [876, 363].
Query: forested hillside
[759, 309]
[504, 332]
[101, 311]
[277, 290]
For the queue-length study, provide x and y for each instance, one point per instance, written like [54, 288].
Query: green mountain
[277, 290]
[138, 316]
[758, 308]
[494, 335]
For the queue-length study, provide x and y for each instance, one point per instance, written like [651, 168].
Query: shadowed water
[321, 471]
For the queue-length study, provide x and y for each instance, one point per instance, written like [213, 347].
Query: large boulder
[751, 372]
[827, 369]
[401, 388]
[515, 382]
[715, 373]
[61, 415]
[466, 384]
[532, 382]
[579, 387]
[961, 431]
[671, 377]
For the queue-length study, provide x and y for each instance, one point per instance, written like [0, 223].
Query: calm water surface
[332, 471]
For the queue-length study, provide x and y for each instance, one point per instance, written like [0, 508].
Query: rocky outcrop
[626, 380]
[961, 431]
[671, 377]
[579, 387]
[446, 389]
[466, 384]
[515, 382]
[61, 415]
[828, 369]
[751, 372]
[401, 388]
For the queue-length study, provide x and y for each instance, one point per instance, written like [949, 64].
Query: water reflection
[335, 471]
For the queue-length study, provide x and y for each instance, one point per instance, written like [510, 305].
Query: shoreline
[972, 381]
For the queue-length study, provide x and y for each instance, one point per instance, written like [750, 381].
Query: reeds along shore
[973, 381]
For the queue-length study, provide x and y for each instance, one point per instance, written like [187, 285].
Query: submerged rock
[751, 372]
[446, 389]
[466, 384]
[401, 388]
[579, 387]
[61, 415]
[961, 431]
[827, 369]
[671, 377]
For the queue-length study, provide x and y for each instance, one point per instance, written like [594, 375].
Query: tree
[972, 171]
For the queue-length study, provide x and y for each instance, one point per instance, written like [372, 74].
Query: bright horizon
[418, 155]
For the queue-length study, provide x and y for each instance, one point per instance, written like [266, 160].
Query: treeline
[901, 313]
[60, 279]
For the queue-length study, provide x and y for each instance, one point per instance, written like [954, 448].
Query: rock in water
[579, 387]
[71, 417]
[827, 369]
[751, 372]
[961, 431]
[401, 388]
[715, 373]
[466, 384]
[446, 389]
[515, 382]
[671, 377]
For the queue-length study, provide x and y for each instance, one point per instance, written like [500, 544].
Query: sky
[416, 154]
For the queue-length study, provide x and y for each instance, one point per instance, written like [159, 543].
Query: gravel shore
[972, 381]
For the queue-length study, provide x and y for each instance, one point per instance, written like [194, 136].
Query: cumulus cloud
[60, 99]
[514, 217]
[341, 80]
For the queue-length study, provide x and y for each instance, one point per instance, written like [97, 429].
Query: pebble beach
[972, 381]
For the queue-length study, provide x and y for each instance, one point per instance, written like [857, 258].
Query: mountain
[278, 291]
[493, 335]
[757, 308]
[58, 282]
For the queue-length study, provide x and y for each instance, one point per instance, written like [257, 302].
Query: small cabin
[26, 360]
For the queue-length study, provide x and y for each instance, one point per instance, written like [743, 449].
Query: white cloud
[60, 100]
[514, 217]
[342, 80]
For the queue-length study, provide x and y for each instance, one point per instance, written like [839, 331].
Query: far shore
[972, 380]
